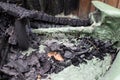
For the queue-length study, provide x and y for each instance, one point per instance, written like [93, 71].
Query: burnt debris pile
[16, 22]
[22, 19]
[55, 58]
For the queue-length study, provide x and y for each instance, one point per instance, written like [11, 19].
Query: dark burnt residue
[22, 67]
[21, 34]
[21, 12]
[16, 21]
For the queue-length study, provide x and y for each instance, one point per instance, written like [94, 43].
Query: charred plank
[21, 34]
[4, 47]
[21, 12]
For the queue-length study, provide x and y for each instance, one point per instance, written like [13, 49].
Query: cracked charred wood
[21, 34]
[20, 12]
[54, 7]
[4, 47]
[4, 55]
[2, 43]
[17, 2]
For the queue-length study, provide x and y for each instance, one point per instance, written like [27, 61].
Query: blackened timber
[21, 12]
[21, 34]
[3, 42]
[3, 49]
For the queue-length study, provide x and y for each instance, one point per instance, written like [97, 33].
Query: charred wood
[20, 12]
[21, 34]
[4, 47]
[51, 7]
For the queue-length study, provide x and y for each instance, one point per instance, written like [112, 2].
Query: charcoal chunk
[68, 54]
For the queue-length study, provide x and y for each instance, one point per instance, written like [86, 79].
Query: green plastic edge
[107, 9]
[114, 71]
